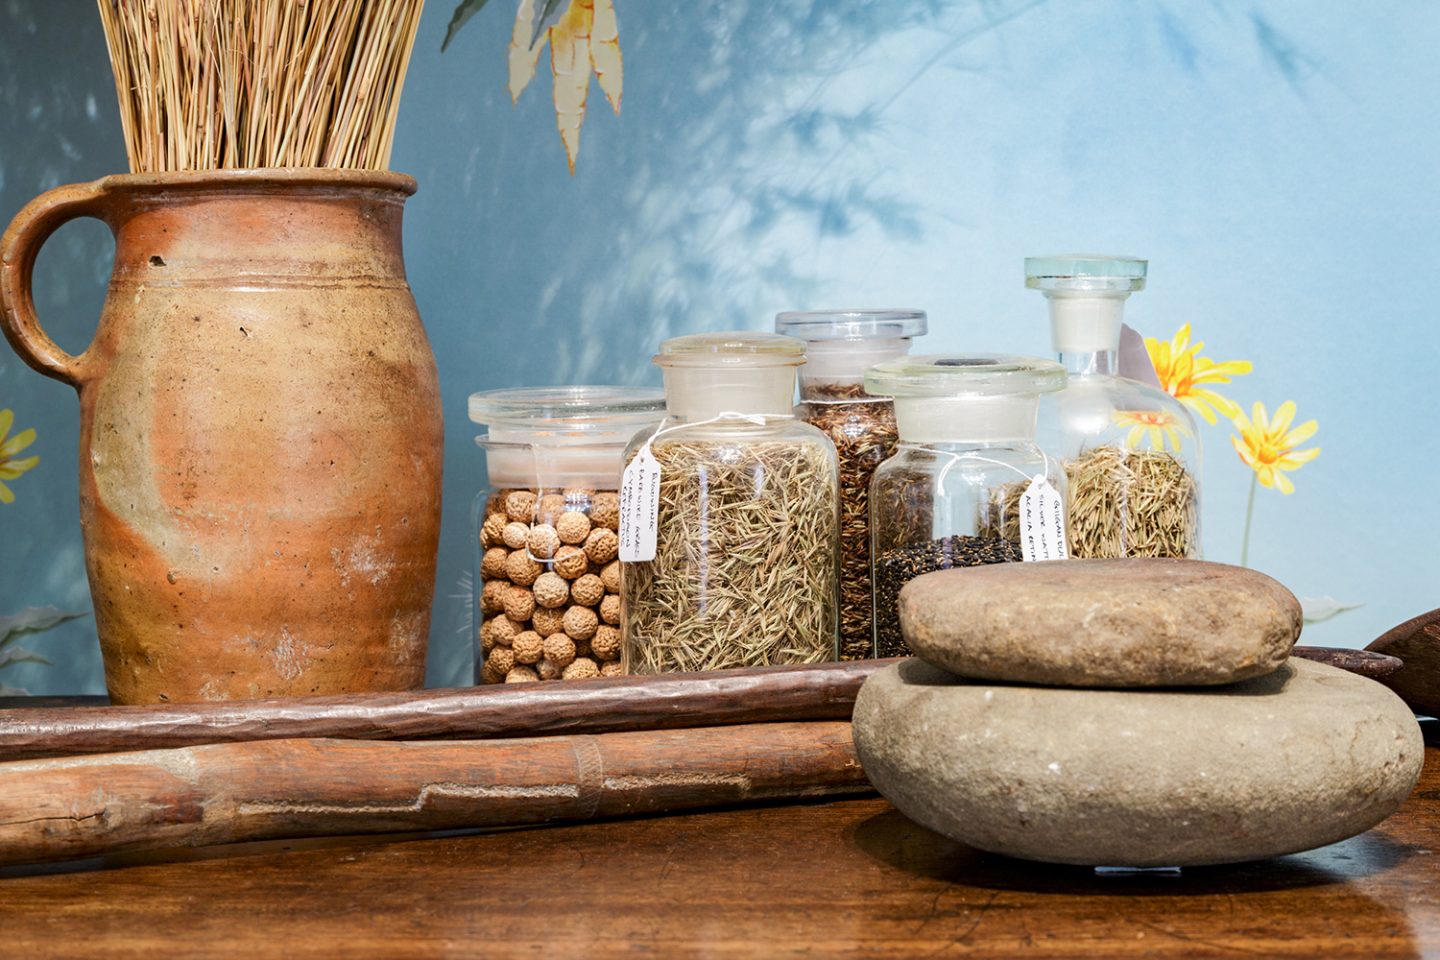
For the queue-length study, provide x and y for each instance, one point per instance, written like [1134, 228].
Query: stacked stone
[550, 602]
[1137, 712]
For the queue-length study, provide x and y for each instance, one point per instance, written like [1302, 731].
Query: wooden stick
[1417, 642]
[757, 695]
[226, 793]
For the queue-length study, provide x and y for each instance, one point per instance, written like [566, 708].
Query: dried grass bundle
[217, 84]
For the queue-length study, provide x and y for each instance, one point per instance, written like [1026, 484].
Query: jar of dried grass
[1131, 451]
[745, 527]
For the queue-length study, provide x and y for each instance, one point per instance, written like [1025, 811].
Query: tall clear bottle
[743, 571]
[840, 345]
[1131, 451]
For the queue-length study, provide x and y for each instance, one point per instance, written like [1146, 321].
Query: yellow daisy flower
[1159, 425]
[1184, 374]
[10, 468]
[1267, 444]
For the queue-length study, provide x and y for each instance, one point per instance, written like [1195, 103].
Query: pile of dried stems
[215, 84]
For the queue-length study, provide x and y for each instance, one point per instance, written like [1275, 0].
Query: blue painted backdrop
[1277, 162]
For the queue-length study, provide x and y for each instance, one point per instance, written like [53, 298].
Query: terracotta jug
[260, 431]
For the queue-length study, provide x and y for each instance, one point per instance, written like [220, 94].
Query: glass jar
[840, 345]
[1131, 451]
[967, 484]
[746, 531]
[548, 582]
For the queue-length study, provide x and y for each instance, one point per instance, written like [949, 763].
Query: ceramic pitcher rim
[259, 177]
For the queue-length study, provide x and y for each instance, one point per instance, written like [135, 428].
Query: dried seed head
[492, 596]
[528, 647]
[559, 650]
[606, 642]
[551, 591]
[492, 564]
[572, 527]
[520, 568]
[515, 534]
[522, 675]
[580, 623]
[588, 590]
[519, 604]
[610, 576]
[520, 505]
[571, 562]
[583, 668]
[605, 511]
[492, 532]
[503, 630]
[543, 541]
[610, 609]
[551, 506]
[501, 659]
[545, 622]
[601, 546]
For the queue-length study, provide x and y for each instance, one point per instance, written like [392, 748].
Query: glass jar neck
[1091, 363]
[844, 362]
[967, 420]
[702, 393]
[1086, 322]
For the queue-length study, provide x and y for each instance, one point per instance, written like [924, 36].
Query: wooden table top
[847, 878]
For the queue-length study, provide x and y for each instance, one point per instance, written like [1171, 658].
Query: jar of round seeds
[548, 583]
[840, 345]
[967, 484]
[730, 525]
[1131, 451]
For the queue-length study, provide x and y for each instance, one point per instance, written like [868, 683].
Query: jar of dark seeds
[743, 571]
[548, 586]
[1131, 451]
[839, 346]
[967, 484]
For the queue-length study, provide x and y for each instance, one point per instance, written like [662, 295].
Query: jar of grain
[840, 345]
[739, 565]
[967, 484]
[1131, 451]
[548, 582]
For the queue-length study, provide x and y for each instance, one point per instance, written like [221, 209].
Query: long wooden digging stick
[224, 793]
[758, 695]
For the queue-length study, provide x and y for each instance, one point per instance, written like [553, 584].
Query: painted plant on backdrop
[584, 40]
[1267, 444]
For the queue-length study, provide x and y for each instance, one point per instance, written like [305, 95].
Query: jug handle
[31, 227]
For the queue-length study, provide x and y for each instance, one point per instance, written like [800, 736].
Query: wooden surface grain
[843, 878]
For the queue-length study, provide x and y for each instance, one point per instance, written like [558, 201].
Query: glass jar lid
[975, 374]
[734, 348]
[878, 324]
[571, 409]
[1085, 272]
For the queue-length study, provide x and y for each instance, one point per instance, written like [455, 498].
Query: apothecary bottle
[743, 571]
[967, 484]
[1131, 451]
[840, 345]
[548, 581]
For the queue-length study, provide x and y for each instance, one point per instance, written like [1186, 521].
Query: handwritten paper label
[639, 507]
[1042, 522]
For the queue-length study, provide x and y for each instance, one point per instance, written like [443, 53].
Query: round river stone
[1137, 622]
[1302, 757]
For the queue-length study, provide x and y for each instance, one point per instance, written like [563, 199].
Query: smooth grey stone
[1139, 622]
[1305, 756]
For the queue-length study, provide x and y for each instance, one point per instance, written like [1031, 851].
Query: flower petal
[1283, 483]
[17, 443]
[10, 469]
[5, 495]
[7, 417]
[1300, 434]
[1283, 416]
